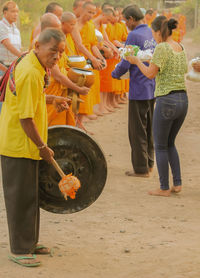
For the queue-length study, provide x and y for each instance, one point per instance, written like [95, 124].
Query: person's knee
[161, 147]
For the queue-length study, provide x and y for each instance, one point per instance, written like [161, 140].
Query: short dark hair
[133, 11]
[51, 7]
[7, 4]
[51, 33]
[150, 12]
[165, 26]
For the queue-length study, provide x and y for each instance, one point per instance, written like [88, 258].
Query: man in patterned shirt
[10, 39]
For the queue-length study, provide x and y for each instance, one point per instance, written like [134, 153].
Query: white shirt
[8, 31]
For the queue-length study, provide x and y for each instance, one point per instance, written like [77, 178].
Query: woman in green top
[168, 65]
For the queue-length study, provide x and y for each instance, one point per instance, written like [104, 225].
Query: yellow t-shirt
[29, 102]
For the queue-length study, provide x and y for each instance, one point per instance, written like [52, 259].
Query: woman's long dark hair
[165, 26]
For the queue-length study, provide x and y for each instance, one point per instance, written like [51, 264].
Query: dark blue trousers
[169, 115]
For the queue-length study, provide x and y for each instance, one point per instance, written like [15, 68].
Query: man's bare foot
[98, 113]
[122, 101]
[105, 111]
[81, 126]
[160, 192]
[92, 117]
[116, 105]
[110, 109]
[133, 174]
[176, 189]
[150, 169]
[85, 119]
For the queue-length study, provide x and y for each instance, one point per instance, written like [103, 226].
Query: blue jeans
[169, 115]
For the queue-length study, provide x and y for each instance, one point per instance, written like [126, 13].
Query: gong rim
[78, 153]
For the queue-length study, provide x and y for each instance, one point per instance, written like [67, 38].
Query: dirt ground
[126, 233]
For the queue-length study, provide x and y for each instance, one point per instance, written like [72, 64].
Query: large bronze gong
[76, 153]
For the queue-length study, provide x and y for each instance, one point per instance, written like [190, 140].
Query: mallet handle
[57, 167]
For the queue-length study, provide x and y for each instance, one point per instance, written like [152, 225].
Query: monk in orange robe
[99, 23]
[53, 8]
[114, 31]
[60, 82]
[120, 37]
[89, 40]
[123, 98]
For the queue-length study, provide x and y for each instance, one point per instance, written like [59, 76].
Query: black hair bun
[172, 24]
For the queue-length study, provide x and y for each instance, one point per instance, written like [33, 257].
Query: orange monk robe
[55, 88]
[120, 35]
[34, 34]
[89, 39]
[176, 34]
[105, 75]
[70, 48]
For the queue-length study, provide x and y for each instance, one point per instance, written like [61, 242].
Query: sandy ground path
[126, 233]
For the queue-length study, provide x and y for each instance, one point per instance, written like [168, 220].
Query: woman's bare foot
[160, 192]
[176, 189]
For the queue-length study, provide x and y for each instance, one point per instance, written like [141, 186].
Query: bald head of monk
[88, 11]
[54, 8]
[106, 14]
[50, 20]
[49, 47]
[68, 21]
[106, 5]
[119, 9]
[77, 7]
[113, 17]
[117, 17]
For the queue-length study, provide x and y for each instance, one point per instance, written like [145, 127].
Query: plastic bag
[193, 75]
[134, 50]
[128, 50]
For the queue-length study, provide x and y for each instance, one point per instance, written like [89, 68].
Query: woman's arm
[149, 71]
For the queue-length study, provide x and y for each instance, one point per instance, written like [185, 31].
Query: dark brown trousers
[20, 185]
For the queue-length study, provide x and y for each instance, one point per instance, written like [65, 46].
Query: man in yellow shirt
[23, 124]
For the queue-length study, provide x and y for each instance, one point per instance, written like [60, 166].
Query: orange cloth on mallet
[69, 185]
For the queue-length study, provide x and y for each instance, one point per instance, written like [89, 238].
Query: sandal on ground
[19, 260]
[42, 250]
